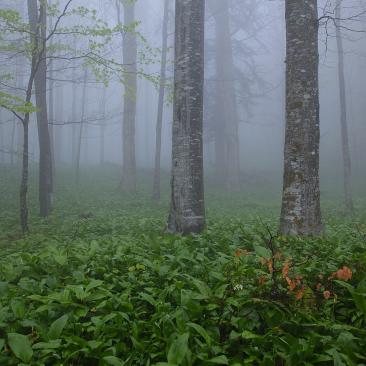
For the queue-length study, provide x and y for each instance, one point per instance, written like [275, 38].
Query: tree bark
[24, 178]
[187, 212]
[301, 195]
[2, 146]
[159, 122]
[128, 183]
[58, 129]
[343, 115]
[80, 136]
[73, 108]
[102, 127]
[38, 27]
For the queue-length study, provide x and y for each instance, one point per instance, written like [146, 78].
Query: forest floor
[100, 283]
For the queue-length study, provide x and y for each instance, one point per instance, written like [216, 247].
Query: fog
[258, 27]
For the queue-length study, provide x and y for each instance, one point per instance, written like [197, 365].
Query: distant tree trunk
[38, 27]
[301, 196]
[58, 129]
[343, 111]
[51, 109]
[102, 128]
[159, 122]
[187, 211]
[2, 147]
[24, 178]
[227, 134]
[80, 136]
[128, 183]
[73, 109]
[12, 141]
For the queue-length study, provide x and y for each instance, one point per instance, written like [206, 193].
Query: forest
[182, 182]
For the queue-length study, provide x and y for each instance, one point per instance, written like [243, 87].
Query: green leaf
[2, 342]
[178, 349]
[57, 327]
[114, 361]
[18, 308]
[21, 346]
[262, 251]
[249, 335]
[200, 330]
[220, 360]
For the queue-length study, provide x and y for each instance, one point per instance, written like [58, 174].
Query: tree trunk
[38, 27]
[2, 146]
[12, 140]
[227, 134]
[159, 122]
[73, 108]
[102, 127]
[343, 115]
[187, 211]
[24, 179]
[301, 195]
[129, 107]
[80, 137]
[58, 129]
[51, 108]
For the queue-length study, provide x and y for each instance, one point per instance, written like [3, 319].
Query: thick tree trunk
[80, 136]
[159, 122]
[187, 212]
[38, 27]
[343, 115]
[227, 135]
[129, 107]
[301, 196]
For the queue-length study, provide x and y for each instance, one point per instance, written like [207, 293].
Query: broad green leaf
[249, 335]
[200, 330]
[178, 349]
[220, 360]
[262, 251]
[21, 346]
[57, 327]
[114, 361]
[2, 342]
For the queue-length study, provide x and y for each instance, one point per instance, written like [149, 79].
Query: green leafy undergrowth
[120, 292]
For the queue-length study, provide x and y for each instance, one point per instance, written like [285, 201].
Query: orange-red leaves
[344, 274]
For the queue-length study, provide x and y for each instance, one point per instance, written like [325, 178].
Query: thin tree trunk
[301, 195]
[12, 141]
[128, 183]
[2, 150]
[159, 122]
[80, 137]
[24, 178]
[59, 128]
[38, 27]
[343, 115]
[51, 109]
[187, 211]
[102, 127]
[227, 134]
[73, 108]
